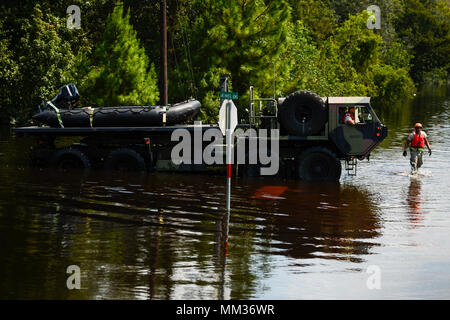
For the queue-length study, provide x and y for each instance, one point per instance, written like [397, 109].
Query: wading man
[416, 141]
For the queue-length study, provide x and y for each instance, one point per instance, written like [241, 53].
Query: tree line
[319, 45]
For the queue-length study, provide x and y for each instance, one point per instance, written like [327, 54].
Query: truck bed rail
[82, 131]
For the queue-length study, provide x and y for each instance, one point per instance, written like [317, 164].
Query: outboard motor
[67, 98]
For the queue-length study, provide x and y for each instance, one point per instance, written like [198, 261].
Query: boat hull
[123, 116]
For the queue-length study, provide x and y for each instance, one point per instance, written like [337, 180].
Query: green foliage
[390, 84]
[397, 56]
[355, 46]
[35, 63]
[425, 27]
[243, 37]
[307, 68]
[363, 70]
[320, 45]
[350, 62]
[119, 68]
[9, 71]
[211, 100]
[317, 16]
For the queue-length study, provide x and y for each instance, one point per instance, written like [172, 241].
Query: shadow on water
[415, 201]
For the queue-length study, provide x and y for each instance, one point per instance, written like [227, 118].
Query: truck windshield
[363, 114]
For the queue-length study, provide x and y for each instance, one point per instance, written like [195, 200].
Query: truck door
[358, 139]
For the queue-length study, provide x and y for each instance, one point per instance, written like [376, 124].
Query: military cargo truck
[313, 136]
[313, 140]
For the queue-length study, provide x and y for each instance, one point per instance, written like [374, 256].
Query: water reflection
[414, 200]
[162, 236]
[328, 220]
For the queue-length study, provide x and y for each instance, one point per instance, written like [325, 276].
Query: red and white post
[228, 164]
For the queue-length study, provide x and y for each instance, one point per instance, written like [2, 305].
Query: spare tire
[303, 113]
[69, 158]
[125, 159]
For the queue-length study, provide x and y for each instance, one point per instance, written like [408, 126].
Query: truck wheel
[319, 164]
[302, 113]
[125, 159]
[69, 158]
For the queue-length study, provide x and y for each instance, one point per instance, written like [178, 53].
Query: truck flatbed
[85, 131]
[130, 131]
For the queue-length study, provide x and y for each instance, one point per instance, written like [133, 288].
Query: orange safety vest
[418, 140]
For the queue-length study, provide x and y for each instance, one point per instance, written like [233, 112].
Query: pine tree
[120, 73]
[239, 37]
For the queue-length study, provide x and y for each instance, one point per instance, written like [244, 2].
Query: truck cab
[356, 140]
[313, 136]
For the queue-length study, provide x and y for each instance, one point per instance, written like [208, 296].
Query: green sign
[228, 95]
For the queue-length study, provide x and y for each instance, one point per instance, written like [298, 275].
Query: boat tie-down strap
[57, 113]
[91, 116]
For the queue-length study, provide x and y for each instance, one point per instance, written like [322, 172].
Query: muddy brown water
[382, 234]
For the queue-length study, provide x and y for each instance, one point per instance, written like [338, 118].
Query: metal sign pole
[227, 122]
[228, 163]
[163, 92]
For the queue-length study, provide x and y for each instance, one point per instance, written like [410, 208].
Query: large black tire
[319, 164]
[125, 160]
[302, 113]
[69, 158]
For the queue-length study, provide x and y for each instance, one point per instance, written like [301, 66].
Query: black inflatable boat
[122, 116]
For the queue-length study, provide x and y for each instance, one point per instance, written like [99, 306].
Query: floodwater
[382, 234]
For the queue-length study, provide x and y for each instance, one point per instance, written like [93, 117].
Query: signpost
[228, 95]
[228, 121]
[227, 116]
